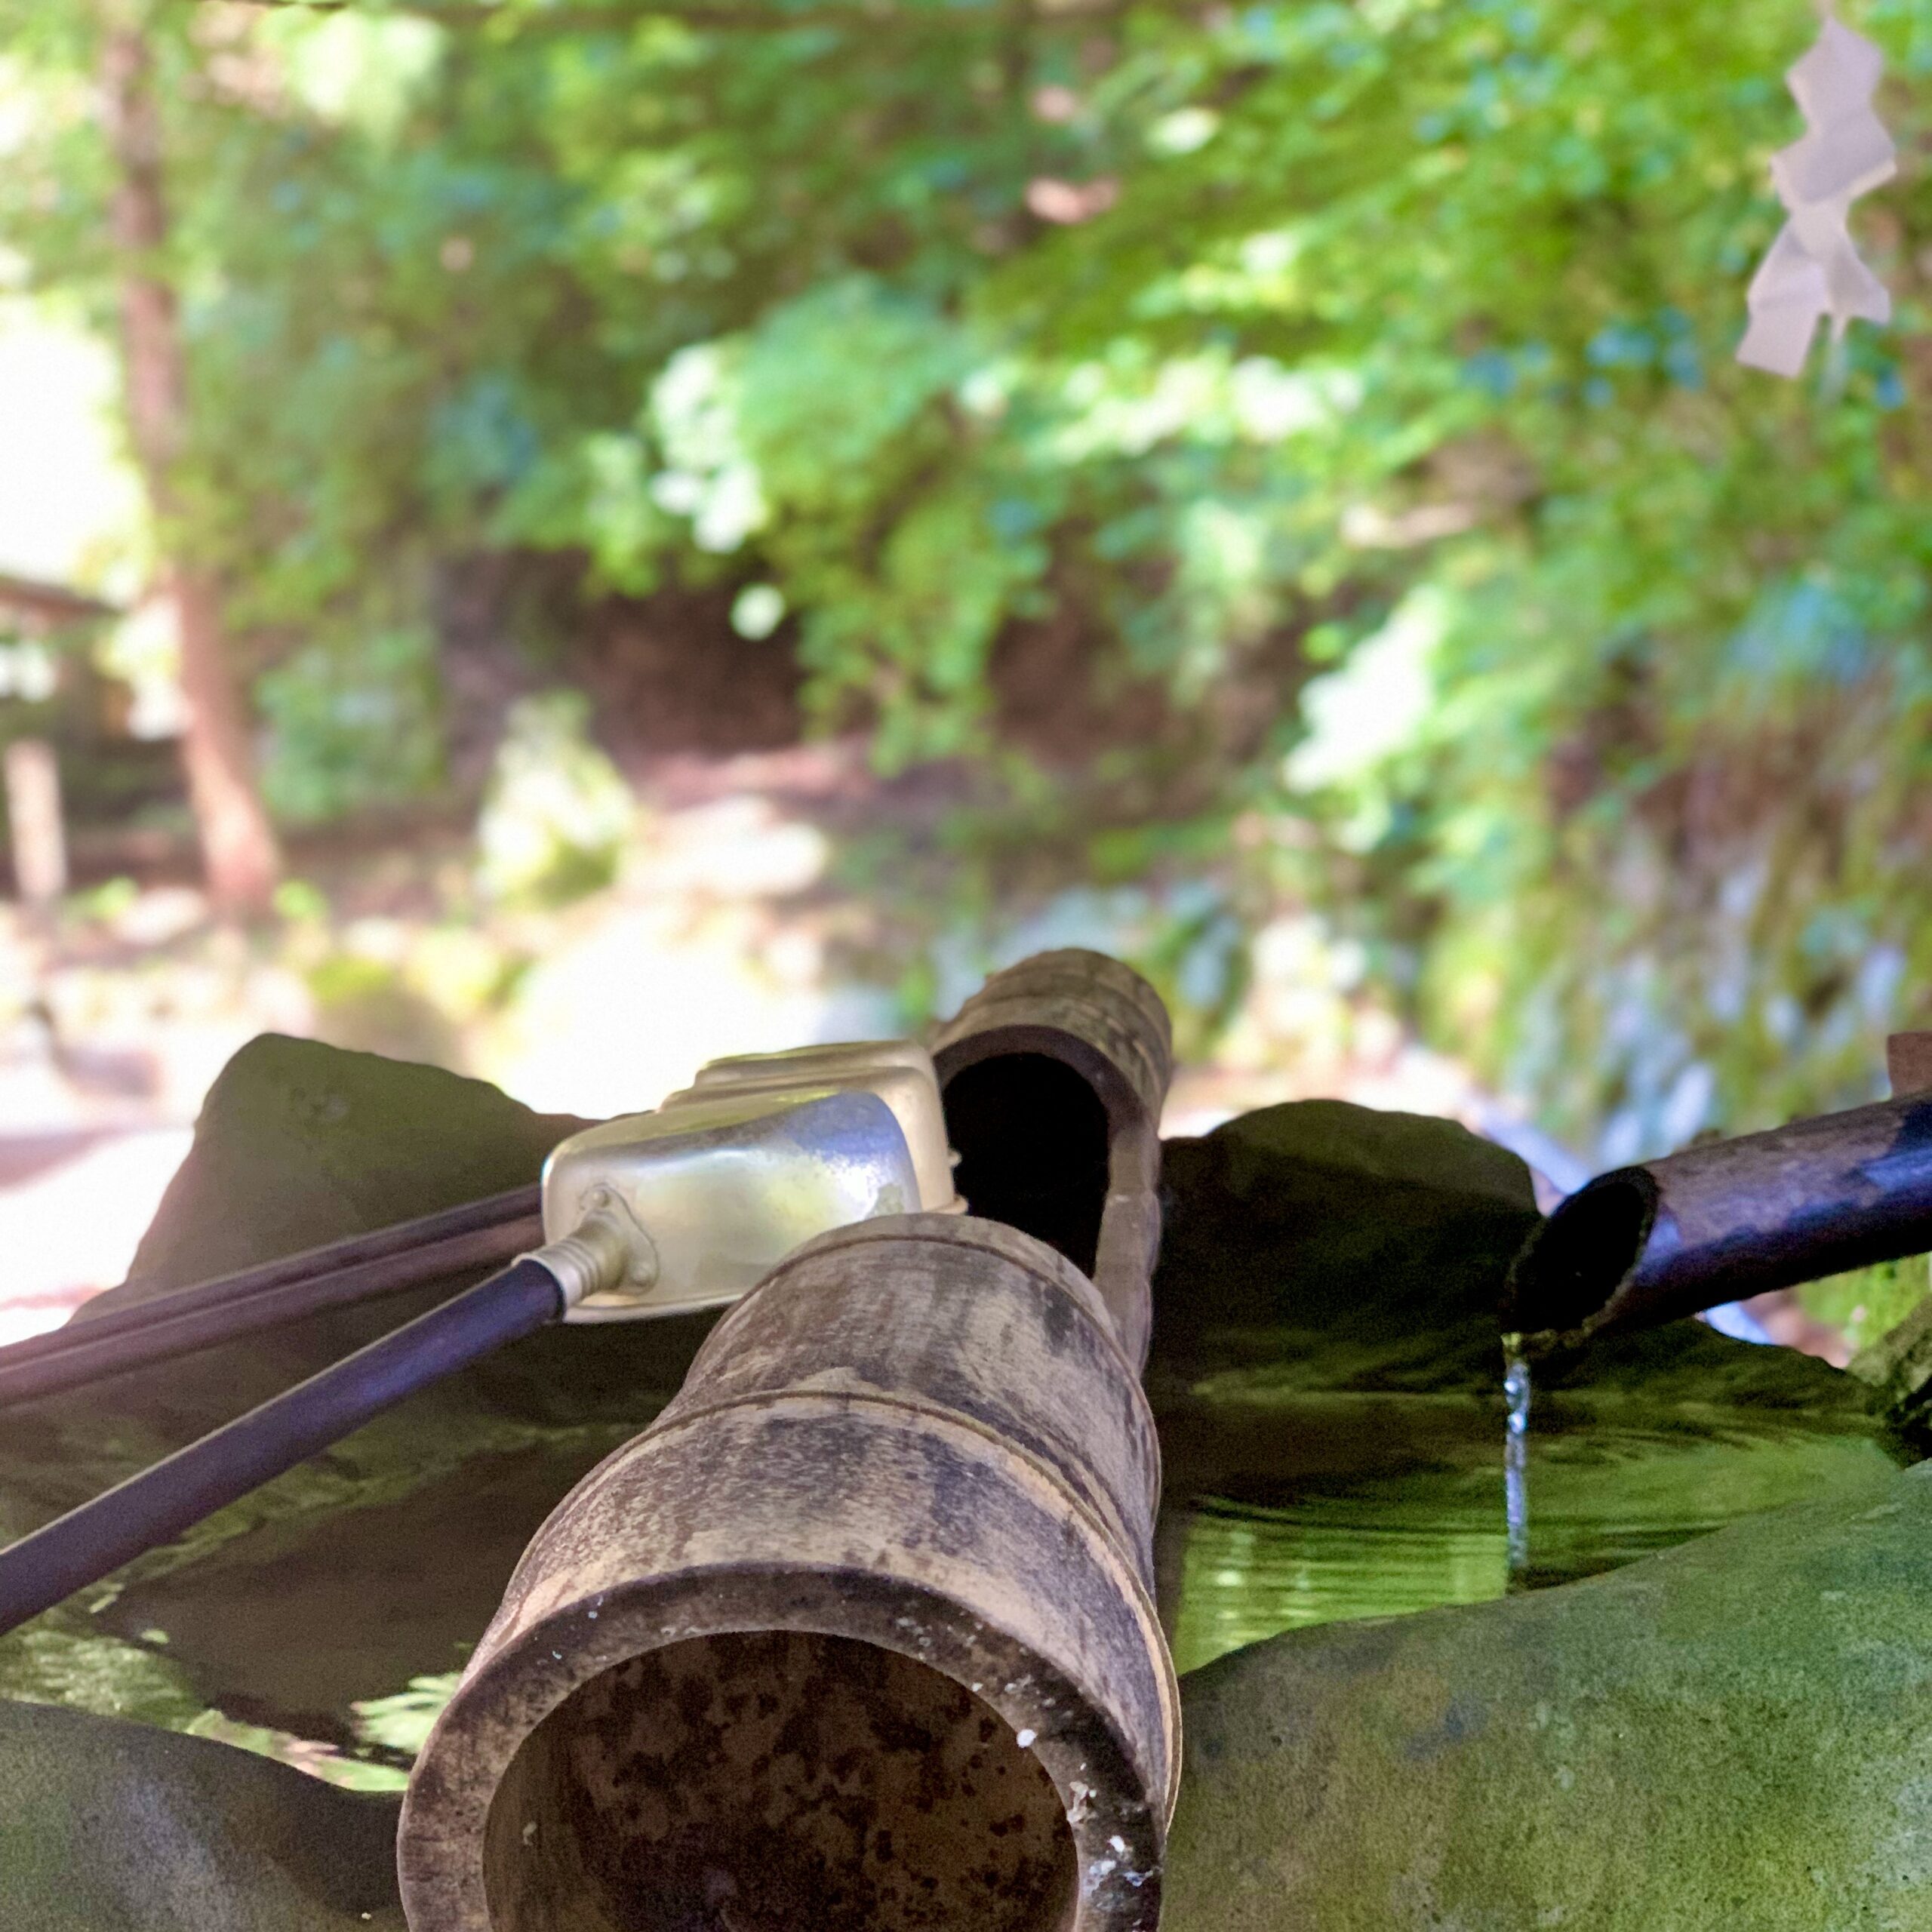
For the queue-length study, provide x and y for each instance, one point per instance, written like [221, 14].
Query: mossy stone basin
[1327, 1376]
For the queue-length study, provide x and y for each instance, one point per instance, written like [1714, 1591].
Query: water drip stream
[1516, 1462]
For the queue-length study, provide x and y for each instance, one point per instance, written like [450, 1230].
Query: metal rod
[89, 1542]
[522, 1206]
[89, 1357]
[1730, 1219]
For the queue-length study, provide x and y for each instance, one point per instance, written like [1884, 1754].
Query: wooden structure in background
[35, 827]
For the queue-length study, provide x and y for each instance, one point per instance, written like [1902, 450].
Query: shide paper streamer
[1813, 270]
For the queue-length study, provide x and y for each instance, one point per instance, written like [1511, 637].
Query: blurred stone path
[72, 1207]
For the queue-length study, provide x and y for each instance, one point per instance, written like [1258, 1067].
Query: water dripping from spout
[1516, 1461]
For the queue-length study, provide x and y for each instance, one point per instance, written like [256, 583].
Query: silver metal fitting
[689, 1207]
[606, 1253]
[899, 1072]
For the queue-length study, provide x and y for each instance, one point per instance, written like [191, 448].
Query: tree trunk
[238, 849]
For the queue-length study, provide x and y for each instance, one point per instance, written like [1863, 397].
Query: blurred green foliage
[1385, 345]
[1868, 1302]
[559, 812]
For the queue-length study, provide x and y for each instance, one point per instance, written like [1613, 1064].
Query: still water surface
[331, 1643]
[1603, 1483]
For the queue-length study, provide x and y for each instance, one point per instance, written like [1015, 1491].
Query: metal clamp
[687, 1208]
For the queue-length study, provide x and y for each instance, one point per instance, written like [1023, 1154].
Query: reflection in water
[1611, 1485]
[1287, 1507]
[1252, 1571]
[46, 1663]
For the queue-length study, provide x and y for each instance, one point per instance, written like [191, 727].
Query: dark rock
[1373, 1243]
[377, 1563]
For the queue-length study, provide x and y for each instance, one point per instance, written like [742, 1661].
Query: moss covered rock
[1369, 1246]
[1333, 1247]
[1327, 1372]
[106, 1826]
[1729, 1737]
[378, 1562]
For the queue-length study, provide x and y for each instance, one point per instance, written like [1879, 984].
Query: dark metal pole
[1730, 1219]
[90, 1351]
[86, 1544]
[385, 1261]
[519, 1203]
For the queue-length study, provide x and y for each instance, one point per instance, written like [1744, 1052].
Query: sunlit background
[723, 531]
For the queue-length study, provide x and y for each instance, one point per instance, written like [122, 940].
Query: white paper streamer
[1813, 270]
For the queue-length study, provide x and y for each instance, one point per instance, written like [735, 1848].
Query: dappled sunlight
[70, 1228]
[68, 500]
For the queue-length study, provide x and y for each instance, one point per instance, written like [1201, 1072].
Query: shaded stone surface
[106, 1826]
[1334, 1247]
[1729, 1737]
[354, 1574]
[1327, 1372]
[299, 1144]
[1366, 1248]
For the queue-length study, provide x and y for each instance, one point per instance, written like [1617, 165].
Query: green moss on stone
[1726, 1738]
[107, 1826]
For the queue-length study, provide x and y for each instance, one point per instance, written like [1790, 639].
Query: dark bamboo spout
[1649, 1244]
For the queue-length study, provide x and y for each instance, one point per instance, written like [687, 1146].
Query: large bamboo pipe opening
[1032, 1135]
[777, 1781]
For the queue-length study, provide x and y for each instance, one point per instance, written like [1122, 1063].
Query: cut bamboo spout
[1718, 1222]
[859, 1634]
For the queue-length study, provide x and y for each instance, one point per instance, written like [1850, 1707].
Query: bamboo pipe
[1727, 1220]
[859, 1634]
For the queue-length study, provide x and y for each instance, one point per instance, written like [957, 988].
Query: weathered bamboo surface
[861, 1634]
[1727, 1220]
